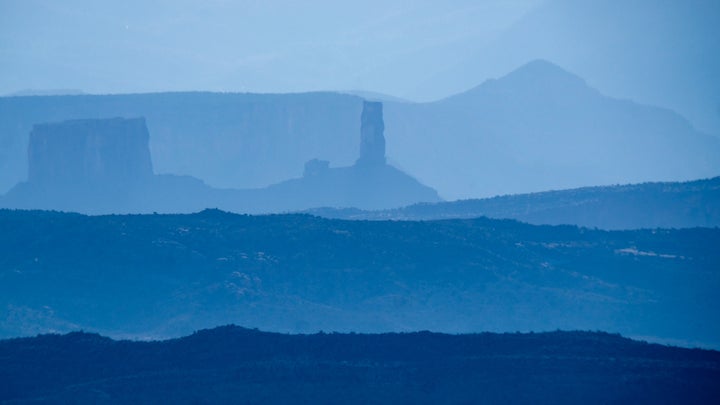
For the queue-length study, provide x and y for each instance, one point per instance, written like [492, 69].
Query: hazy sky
[658, 52]
[259, 46]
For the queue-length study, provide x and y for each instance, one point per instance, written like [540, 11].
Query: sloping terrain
[540, 128]
[375, 187]
[167, 275]
[634, 206]
[231, 364]
[659, 53]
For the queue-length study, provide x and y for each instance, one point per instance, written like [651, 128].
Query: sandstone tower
[372, 139]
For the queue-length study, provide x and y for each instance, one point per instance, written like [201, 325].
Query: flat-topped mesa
[372, 140]
[90, 151]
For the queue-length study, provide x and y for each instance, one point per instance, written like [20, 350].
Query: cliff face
[372, 138]
[370, 184]
[103, 166]
[228, 140]
[97, 166]
[89, 152]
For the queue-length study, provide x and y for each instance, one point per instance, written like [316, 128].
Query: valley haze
[486, 201]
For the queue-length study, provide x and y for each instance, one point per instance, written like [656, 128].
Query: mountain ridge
[630, 206]
[669, 60]
[230, 362]
[541, 127]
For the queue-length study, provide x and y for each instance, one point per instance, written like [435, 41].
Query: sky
[658, 52]
[255, 46]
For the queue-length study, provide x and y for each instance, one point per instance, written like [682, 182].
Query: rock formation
[230, 140]
[103, 166]
[372, 139]
[97, 166]
[369, 184]
[315, 167]
[90, 152]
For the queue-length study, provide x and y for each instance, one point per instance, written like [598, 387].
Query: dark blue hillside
[232, 364]
[647, 205]
[167, 275]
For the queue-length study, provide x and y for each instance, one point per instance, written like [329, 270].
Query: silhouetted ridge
[648, 205]
[542, 128]
[536, 80]
[231, 363]
[541, 71]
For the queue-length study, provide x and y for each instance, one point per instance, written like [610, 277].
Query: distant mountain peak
[543, 67]
[537, 77]
[541, 72]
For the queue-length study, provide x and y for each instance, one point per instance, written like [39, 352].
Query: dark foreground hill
[236, 365]
[647, 205]
[167, 275]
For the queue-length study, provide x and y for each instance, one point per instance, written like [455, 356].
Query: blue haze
[656, 52]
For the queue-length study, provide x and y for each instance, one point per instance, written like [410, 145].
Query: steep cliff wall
[372, 137]
[369, 184]
[227, 140]
[92, 151]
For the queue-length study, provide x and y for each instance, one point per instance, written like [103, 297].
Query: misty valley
[402, 202]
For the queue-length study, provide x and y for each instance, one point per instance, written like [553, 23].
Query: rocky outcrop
[372, 138]
[99, 166]
[230, 140]
[369, 184]
[103, 166]
[315, 167]
[90, 152]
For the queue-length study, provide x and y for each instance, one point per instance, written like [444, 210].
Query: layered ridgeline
[538, 128]
[634, 206]
[231, 364]
[104, 166]
[542, 128]
[167, 275]
[669, 60]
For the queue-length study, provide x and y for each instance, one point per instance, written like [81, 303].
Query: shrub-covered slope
[647, 205]
[236, 365]
[167, 275]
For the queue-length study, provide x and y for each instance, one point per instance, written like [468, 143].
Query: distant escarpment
[104, 166]
[538, 128]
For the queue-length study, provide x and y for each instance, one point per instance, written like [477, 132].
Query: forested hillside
[167, 275]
